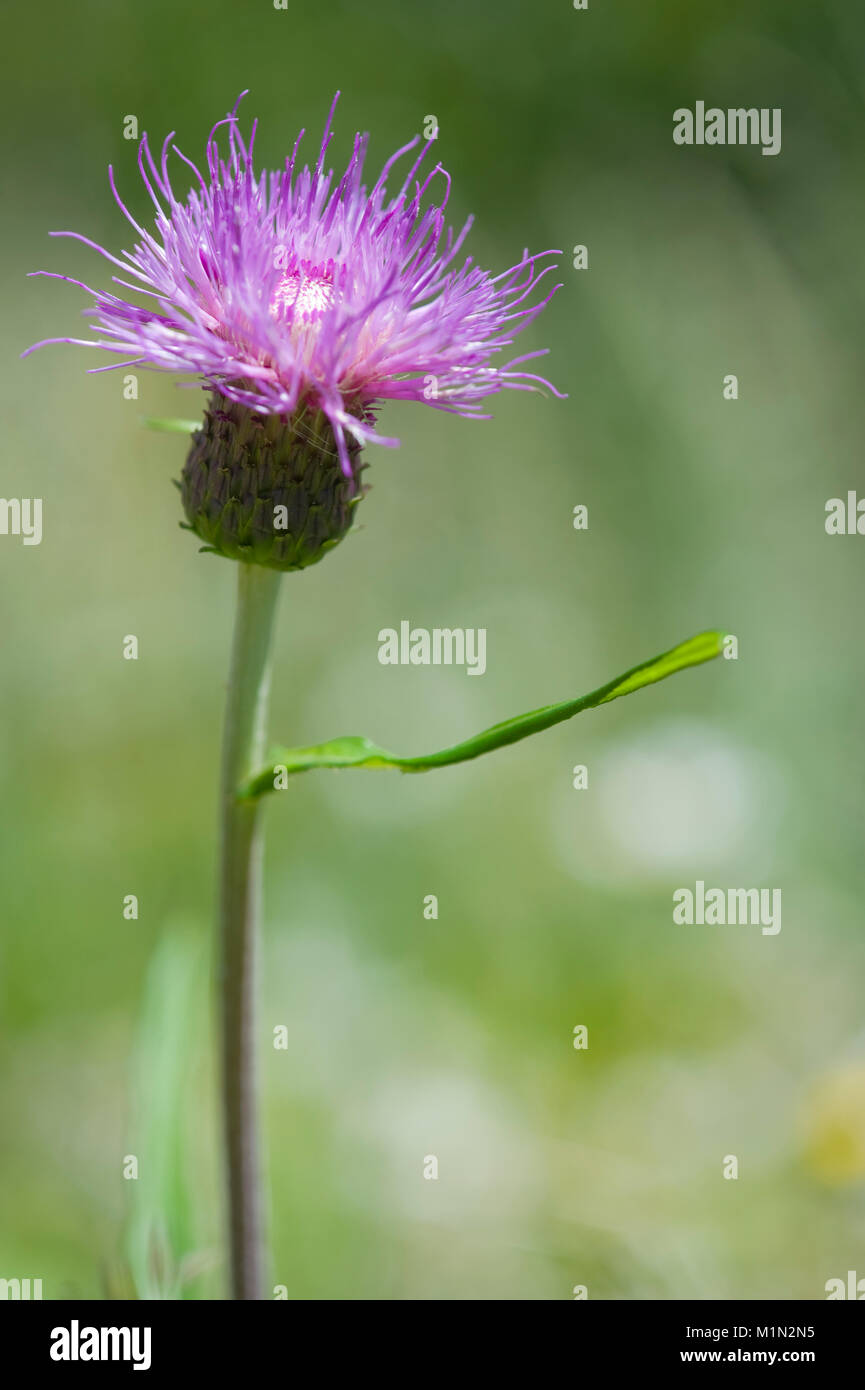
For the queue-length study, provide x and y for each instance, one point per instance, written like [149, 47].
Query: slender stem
[240, 873]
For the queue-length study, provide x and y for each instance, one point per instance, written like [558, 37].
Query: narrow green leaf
[163, 1204]
[354, 751]
[167, 426]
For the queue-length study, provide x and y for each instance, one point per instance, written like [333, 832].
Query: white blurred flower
[677, 798]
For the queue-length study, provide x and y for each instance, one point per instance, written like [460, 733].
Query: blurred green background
[453, 1037]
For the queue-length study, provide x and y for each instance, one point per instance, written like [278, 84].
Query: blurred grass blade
[352, 751]
[167, 426]
[162, 1224]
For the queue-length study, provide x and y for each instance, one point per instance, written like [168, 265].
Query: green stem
[240, 873]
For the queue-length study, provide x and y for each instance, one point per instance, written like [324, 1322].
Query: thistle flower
[303, 305]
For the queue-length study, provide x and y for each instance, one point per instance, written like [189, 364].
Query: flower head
[298, 297]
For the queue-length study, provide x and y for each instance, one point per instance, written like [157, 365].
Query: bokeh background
[453, 1037]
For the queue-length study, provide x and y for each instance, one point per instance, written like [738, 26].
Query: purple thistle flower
[280, 289]
[303, 305]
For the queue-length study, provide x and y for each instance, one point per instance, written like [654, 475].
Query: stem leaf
[354, 751]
